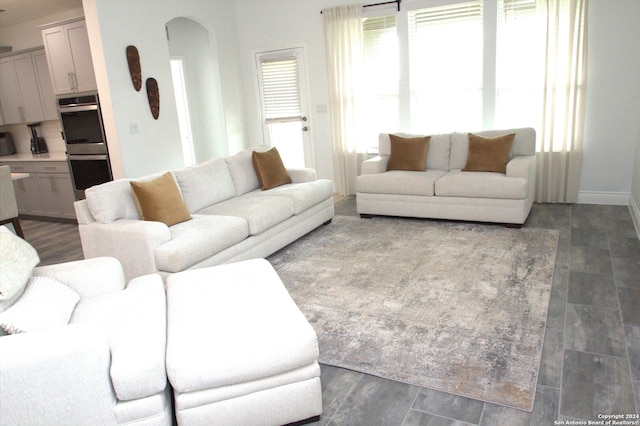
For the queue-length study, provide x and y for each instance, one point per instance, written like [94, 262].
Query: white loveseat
[106, 367]
[444, 191]
[232, 218]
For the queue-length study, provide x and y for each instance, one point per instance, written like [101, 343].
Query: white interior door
[283, 100]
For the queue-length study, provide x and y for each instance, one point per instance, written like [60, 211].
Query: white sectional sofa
[444, 191]
[232, 218]
[87, 348]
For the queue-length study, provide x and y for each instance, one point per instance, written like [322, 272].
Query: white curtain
[343, 40]
[561, 130]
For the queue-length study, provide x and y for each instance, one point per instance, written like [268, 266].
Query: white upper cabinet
[69, 58]
[49, 105]
[19, 90]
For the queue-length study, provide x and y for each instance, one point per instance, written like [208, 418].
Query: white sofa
[106, 367]
[232, 218]
[444, 191]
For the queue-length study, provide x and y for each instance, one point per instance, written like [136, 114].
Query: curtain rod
[382, 3]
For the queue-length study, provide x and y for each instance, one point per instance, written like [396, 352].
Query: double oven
[85, 141]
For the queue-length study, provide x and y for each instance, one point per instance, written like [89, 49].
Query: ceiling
[19, 11]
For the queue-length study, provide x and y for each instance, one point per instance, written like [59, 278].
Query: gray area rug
[456, 307]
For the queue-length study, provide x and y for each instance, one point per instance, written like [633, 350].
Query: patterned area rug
[456, 307]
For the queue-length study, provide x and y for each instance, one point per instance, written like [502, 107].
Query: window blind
[280, 90]
[446, 14]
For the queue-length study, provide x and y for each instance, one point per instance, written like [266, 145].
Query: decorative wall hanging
[133, 59]
[154, 97]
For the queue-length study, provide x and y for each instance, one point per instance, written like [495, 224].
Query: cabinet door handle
[21, 113]
[54, 186]
[69, 76]
[75, 81]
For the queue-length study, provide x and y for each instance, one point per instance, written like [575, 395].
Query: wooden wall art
[133, 59]
[154, 97]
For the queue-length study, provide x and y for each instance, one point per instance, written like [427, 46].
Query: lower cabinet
[48, 191]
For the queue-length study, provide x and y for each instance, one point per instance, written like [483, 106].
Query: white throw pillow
[17, 260]
[44, 303]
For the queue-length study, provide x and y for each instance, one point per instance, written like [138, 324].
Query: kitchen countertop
[49, 156]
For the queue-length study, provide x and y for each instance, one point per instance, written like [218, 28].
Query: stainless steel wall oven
[85, 141]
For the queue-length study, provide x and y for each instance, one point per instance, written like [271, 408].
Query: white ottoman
[239, 351]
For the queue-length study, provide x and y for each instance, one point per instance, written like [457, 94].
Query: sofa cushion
[437, 155]
[134, 321]
[457, 183]
[45, 303]
[399, 182]
[205, 184]
[159, 200]
[242, 171]
[17, 260]
[269, 169]
[304, 195]
[260, 214]
[488, 154]
[408, 153]
[198, 239]
[524, 143]
[114, 200]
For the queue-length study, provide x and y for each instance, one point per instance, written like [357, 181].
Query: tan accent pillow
[270, 169]
[408, 153]
[488, 154]
[159, 200]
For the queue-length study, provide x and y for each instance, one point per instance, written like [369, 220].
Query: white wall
[612, 130]
[634, 204]
[115, 24]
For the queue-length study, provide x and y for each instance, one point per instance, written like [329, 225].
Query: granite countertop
[27, 156]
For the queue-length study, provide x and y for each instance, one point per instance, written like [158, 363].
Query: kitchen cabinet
[27, 189]
[19, 91]
[47, 97]
[48, 191]
[69, 57]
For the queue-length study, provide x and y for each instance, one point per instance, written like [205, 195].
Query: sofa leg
[513, 225]
[313, 419]
[327, 222]
[365, 216]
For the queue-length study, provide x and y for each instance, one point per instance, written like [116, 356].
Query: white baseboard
[634, 208]
[608, 198]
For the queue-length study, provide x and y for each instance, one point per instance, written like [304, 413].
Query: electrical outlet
[133, 128]
[321, 109]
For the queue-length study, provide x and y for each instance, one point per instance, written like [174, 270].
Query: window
[381, 103]
[445, 65]
[469, 64]
[518, 74]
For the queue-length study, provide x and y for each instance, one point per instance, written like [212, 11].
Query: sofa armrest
[56, 376]
[133, 242]
[302, 175]
[83, 214]
[91, 277]
[377, 164]
[520, 166]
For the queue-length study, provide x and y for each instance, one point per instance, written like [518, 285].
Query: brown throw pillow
[408, 153]
[270, 169]
[488, 154]
[159, 200]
